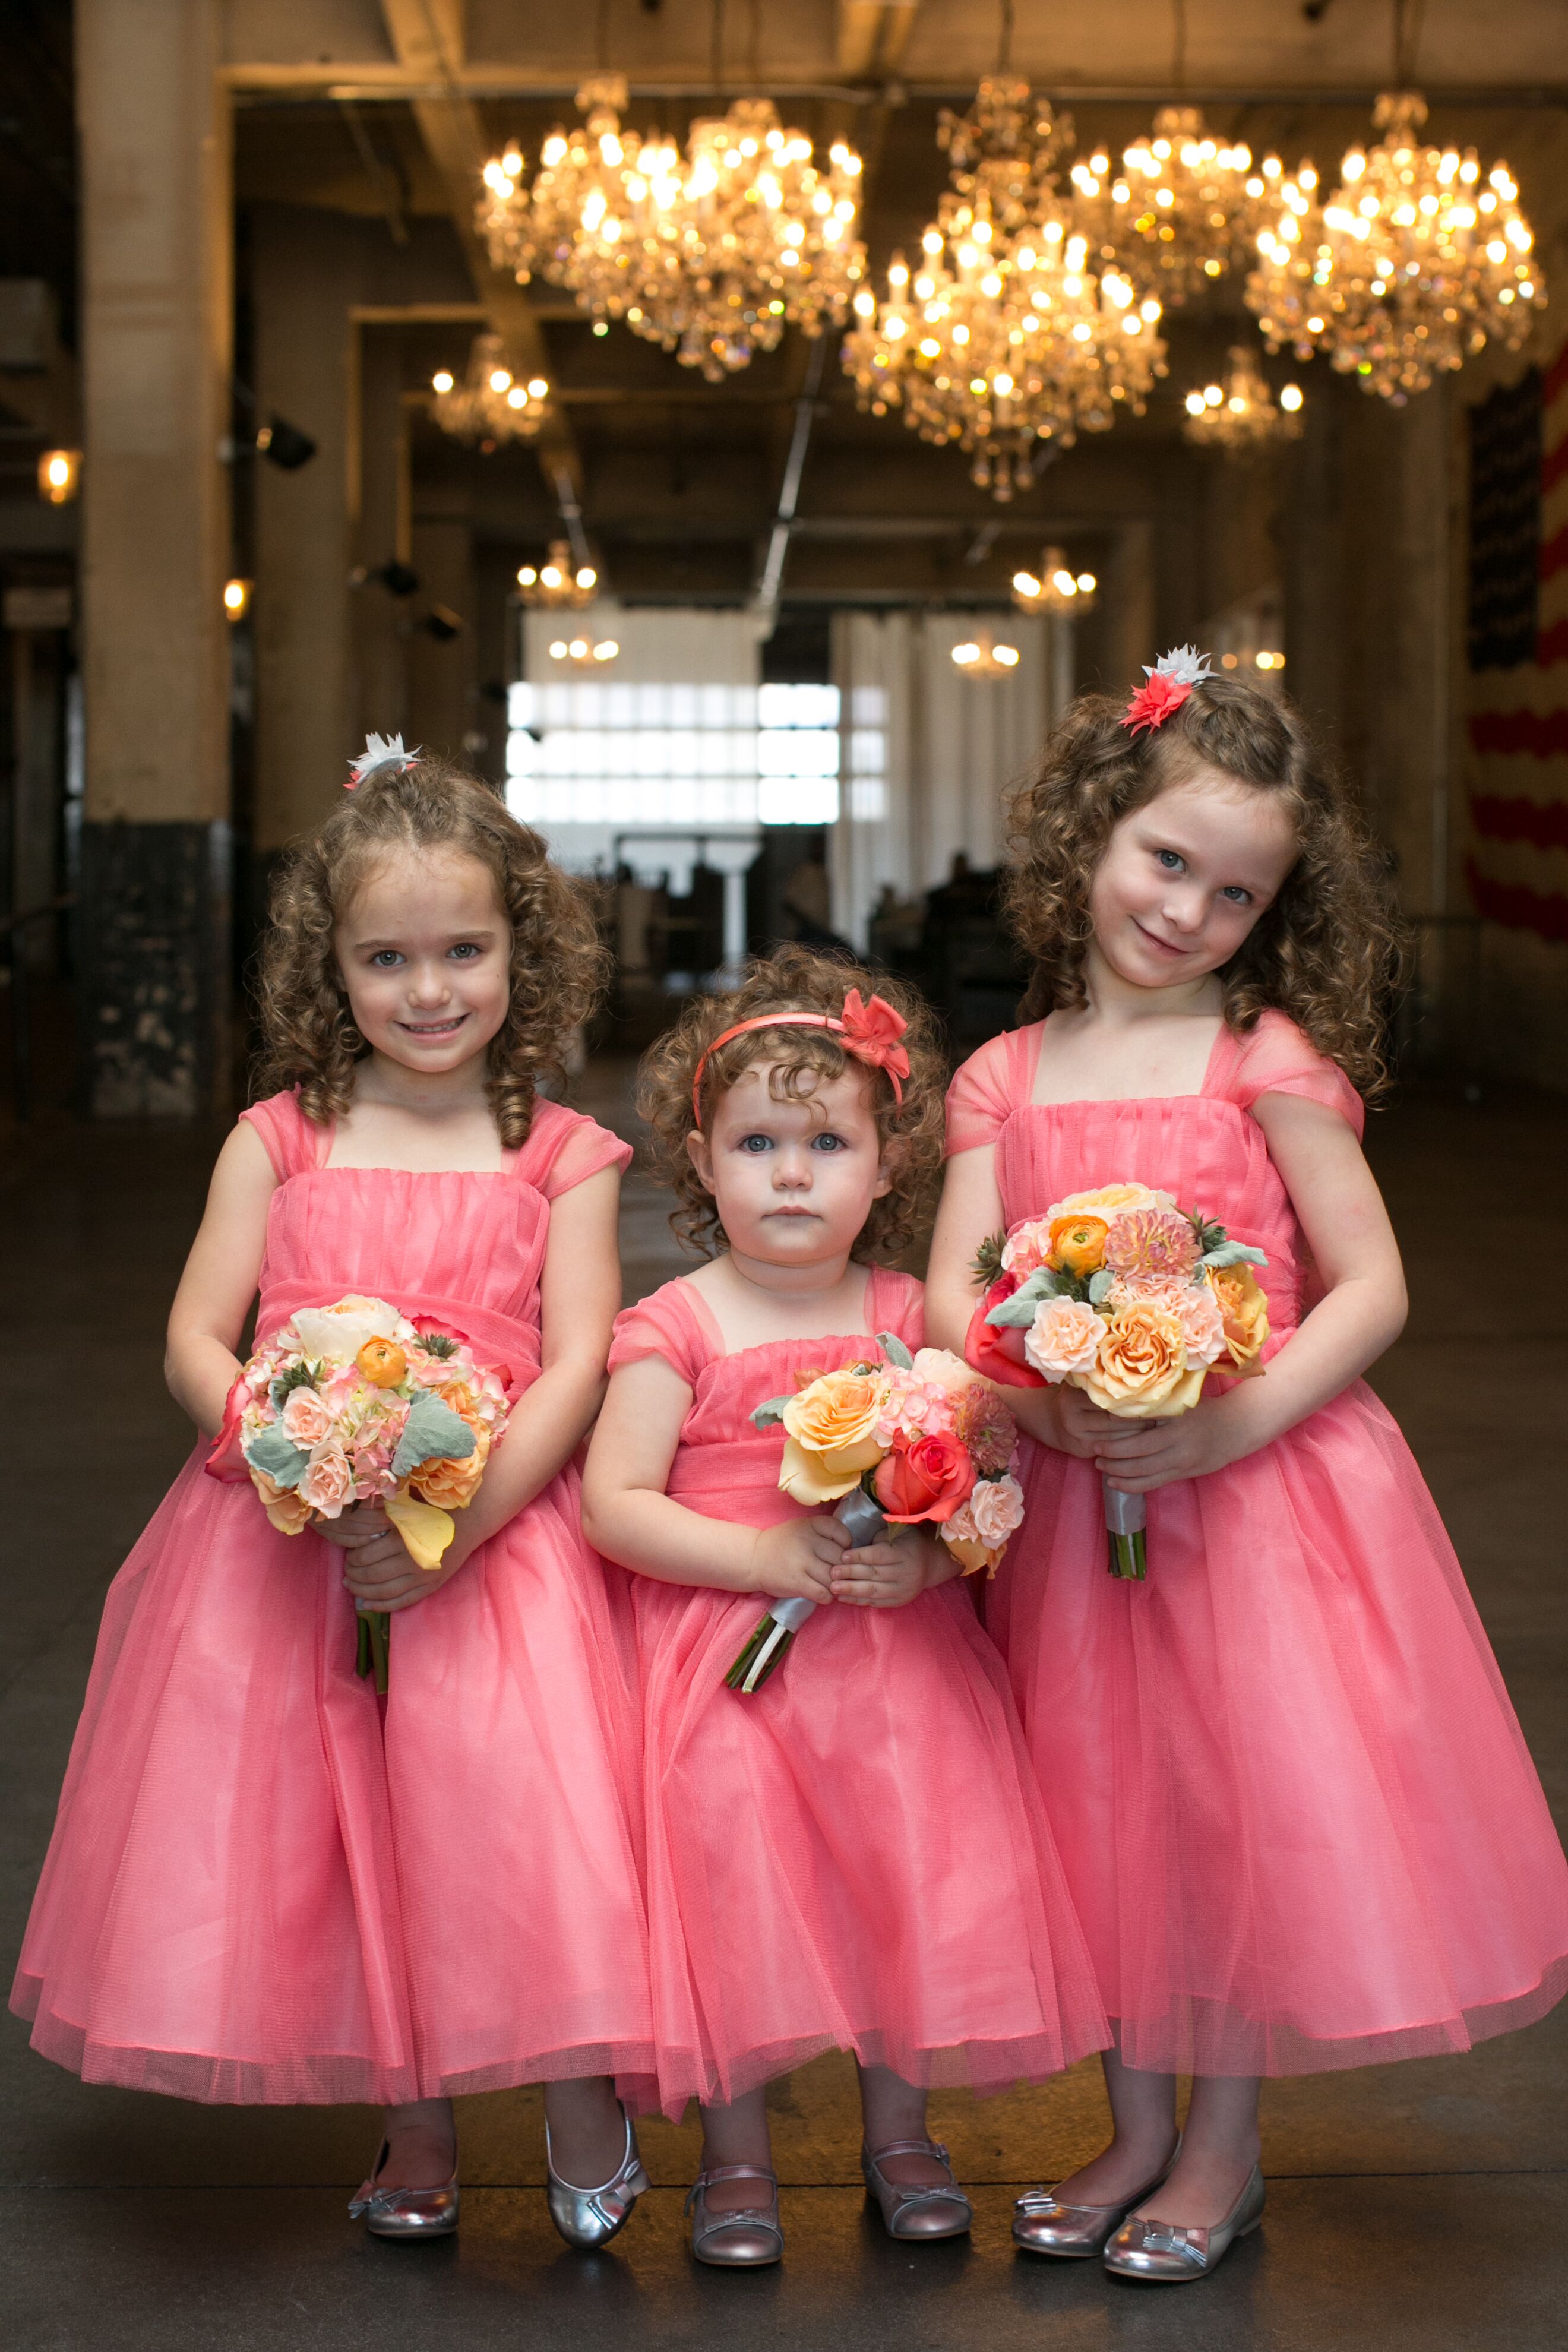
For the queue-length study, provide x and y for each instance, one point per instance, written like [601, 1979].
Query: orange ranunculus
[287, 1509]
[1077, 1242]
[382, 1362]
[1243, 1308]
[449, 1484]
[831, 1436]
[1142, 1369]
[927, 1478]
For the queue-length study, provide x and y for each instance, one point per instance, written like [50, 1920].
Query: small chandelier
[489, 406]
[553, 586]
[1239, 414]
[1056, 590]
[1007, 334]
[582, 653]
[1185, 208]
[985, 655]
[1412, 265]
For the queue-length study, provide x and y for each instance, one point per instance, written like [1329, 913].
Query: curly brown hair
[796, 980]
[558, 964]
[1328, 951]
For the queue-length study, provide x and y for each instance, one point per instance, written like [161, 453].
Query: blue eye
[755, 1144]
[1169, 860]
[830, 1143]
[1236, 895]
[384, 959]
[467, 950]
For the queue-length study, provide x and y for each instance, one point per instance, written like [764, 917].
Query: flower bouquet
[913, 1440]
[1122, 1294]
[353, 1403]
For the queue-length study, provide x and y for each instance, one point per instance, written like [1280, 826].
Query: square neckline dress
[1295, 1811]
[263, 1885]
[856, 1856]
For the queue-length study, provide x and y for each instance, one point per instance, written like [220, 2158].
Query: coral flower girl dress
[1296, 1814]
[265, 1886]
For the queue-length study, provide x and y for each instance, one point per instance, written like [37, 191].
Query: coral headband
[871, 1031]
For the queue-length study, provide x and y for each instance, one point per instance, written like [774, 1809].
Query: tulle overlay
[854, 1856]
[1295, 1811]
[266, 1886]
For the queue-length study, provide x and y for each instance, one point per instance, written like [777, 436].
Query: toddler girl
[850, 1858]
[1296, 1811]
[265, 1885]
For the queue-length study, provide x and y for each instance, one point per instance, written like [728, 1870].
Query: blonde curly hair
[1329, 950]
[796, 980]
[558, 964]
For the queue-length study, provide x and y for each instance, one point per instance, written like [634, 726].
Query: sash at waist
[734, 1478]
[501, 1342]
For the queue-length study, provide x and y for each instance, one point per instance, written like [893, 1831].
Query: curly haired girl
[852, 1856]
[263, 1885]
[1296, 1815]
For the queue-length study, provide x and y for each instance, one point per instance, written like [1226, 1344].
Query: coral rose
[1077, 1242]
[926, 1479]
[996, 1351]
[305, 1417]
[382, 1362]
[329, 1481]
[1244, 1313]
[288, 1511]
[1063, 1338]
[1142, 1367]
[451, 1485]
[831, 1435]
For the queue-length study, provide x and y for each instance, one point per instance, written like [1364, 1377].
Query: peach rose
[452, 1484]
[1192, 1303]
[1063, 1338]
[329, 1481]
[831, 1436]
[1142, 1367]
[996, 1508]
[1108, 1197]
[941, 1369]
[1244, 1313]
[305, 1417]
[1077, 1242]
[288, 1511]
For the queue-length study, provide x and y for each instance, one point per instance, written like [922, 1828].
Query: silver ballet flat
[1163, 2254]
[910, 2210]
[1042, 2224]
[747, 2239]
[405, 2212]
[592, 2217]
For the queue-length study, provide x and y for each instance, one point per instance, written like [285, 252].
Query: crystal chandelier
[1239, 414]
[489, 406]
[1184, 209]
[1412, 265]
[582, 653]
[986, 657]
[1007, 334]
[1056, 590]
[555, 586]
[711, 255]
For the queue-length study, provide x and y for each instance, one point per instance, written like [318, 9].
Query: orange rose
[1141, 1369]
[287, 1510]
[1077, 1242]
[1243, 1308]
[831, 1436]
[452, 1484]
[382, 1362]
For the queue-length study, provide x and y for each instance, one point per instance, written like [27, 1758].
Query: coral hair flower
[1171, 681]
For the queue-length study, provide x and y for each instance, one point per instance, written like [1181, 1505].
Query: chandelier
[489, 406]
[1184, 209]
[985, 655]
[1412, 265]
[553, 586]
[582, 653]
[1007, 334]
[1239, 414]
[1056, 590]
[710, 254]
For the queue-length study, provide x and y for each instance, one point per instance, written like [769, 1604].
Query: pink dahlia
[1151, 1241]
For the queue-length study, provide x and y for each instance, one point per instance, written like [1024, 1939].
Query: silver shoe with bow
[1163, 2253]
[1042, 2224]
[747, 2237]
[914, 2209]
[592, 2217]
[405, 2212]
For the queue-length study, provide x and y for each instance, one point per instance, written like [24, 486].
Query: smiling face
[1185, 878]
[793, 1179]
[424, 948]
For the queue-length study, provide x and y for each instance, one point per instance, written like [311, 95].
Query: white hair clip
[1171, 680]
[380, 751]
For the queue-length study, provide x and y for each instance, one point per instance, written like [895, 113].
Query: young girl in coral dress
[265, 1885]
[851, 1856]
[1296, 1815]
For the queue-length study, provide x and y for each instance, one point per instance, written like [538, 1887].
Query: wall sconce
[59, 476]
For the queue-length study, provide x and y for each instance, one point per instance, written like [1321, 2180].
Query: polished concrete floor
[1410, 2207]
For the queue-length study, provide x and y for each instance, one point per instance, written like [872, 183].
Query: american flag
[1518, 764]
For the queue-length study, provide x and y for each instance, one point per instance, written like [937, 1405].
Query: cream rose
[329, 1481]
[1142, 1369]
[996, 1508]
[1063, 1338]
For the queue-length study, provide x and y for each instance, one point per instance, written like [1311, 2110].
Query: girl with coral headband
[1295, 1811]
[264, 1886]
[852, 1857]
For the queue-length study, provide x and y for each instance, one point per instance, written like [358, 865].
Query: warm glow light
[558, 650]
[1087, 584]
[235, 599]
[1290, 397]
[59, 474]
[527, 576]
[442, 381]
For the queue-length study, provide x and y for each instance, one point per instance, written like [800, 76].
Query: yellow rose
[1244, 1310]
[449, 1484]
[287, 1510]
[831, 1436]
[973, 1555]
[1141, 1369]
[1077, 1242]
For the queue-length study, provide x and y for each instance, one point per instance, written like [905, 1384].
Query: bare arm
[218, 1283]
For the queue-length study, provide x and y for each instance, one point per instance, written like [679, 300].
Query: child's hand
[377, 1568]
[1079, 1427]
[885, 1575]
[795, 1561]
[1139, 1457]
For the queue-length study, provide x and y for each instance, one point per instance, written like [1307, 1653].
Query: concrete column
[157, 311]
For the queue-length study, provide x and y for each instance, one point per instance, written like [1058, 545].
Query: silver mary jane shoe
[405, 2212]
[1042, 2224]
[748, 2238]
[592, 2217]
[1163, 2254]
[911, 2209]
